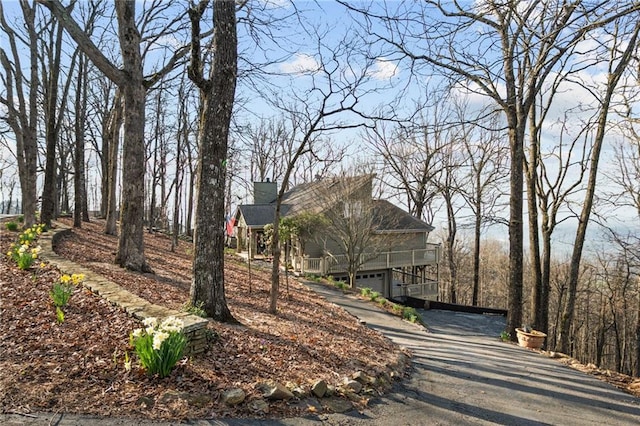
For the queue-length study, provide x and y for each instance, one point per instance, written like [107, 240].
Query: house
[342, 231]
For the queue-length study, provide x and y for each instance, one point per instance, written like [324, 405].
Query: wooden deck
[386, 260]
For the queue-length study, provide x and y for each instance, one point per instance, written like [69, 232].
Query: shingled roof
[258, 215]
[307, 198]
[391, 218]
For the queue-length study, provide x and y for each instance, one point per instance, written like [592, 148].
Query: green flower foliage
[159, 346]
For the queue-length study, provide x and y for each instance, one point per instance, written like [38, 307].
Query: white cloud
[384, 69]
[474, 94]
[302, 64]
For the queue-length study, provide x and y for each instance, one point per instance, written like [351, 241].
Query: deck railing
[426, 290]
[386, 260]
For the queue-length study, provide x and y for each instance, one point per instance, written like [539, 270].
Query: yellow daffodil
[77, 278]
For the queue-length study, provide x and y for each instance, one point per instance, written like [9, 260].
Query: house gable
[308, 197]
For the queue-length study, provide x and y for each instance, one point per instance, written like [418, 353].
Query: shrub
[61, 293]
[23, 254]
[159, 346]
[411, 315]
[30, 235]
[312, 277]
[341, 285]
[197, 309]
[374, 296]
[365, 292]
[11, 226]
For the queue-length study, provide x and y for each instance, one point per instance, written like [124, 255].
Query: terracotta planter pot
[532, 339]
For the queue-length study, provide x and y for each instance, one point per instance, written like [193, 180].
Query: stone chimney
[265, 192]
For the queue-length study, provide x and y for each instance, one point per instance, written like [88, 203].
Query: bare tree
[112, 139]
[55, 104]
[80, 211]
[486, 165]
[334, 98]
[625, 178]
[102, 128]
[181, 140]
[449, 189]
[265, 142]
[352, 219]
[554, 175]
[217, 97]
[133, 86]
[409, 163]
[157, 149]
[22, 108]
[622, 52]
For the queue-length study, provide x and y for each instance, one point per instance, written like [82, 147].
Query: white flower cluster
[159, 331]
[24, 248]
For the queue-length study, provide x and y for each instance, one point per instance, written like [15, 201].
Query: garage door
[373, 280]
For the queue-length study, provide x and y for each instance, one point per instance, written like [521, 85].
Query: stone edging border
[195, 328]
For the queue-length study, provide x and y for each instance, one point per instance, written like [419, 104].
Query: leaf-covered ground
[79, 366]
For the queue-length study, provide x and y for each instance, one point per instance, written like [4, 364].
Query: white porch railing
[386, 260]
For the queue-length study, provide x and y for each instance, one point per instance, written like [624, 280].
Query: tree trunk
[636, 358]
[217, 94]
[514, 316]
[275, 266]
[192, 185]
[22, 116]
[130, 253]
[105, 149]
[49, 211]
[600, 334]
[453, 274]
[537, 299]
[115, 123]
[545, 290]
[576, 255]
[154, 171]
[53, 114]
[182, 133]
[78, 177]
[476, 254]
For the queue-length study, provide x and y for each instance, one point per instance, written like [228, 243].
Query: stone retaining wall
[195, 328]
